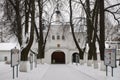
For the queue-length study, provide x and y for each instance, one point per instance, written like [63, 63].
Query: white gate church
[60, 46]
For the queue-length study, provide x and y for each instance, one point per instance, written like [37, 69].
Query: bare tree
[17, 20]
[92, 24]
[22, 10]
[102, 29]
[25, 51]
[41, 37]
[81, 53]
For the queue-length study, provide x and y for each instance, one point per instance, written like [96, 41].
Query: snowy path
[59, 72]
[35, 74]
[64, 72]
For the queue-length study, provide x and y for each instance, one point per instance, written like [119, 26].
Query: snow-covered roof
[7, 46]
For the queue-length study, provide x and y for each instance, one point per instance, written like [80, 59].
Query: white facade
[60, 40]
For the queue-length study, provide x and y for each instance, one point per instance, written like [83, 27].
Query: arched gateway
[58, 57]
[75, 57]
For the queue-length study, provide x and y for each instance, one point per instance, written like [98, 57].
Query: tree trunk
[27, 12]
[25, 51]
[81, 53]
[24, 65]
[102, 30]
[18, 21]
[41, 38]
[95, 20]
[89, 30]
[102, 33]
[92, 30]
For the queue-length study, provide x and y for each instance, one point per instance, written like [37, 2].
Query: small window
[5, 58]
[58, 37]
[53, 37]
[63, 37]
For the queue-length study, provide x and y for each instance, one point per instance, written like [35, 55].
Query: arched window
[53, 37]
[63, 37]
[58, 37]
[5, 58]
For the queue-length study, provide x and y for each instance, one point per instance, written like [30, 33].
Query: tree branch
[112, 6]
[113, 15]
[12, 4]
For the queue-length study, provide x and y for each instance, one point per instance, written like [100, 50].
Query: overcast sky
[64, 8]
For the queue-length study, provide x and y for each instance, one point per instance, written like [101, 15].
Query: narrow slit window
[63, 37]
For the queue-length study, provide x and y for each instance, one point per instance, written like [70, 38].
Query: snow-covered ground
[97, 74]
[59, 72]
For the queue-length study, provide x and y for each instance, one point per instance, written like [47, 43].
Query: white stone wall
[67, 45]
[4, 54]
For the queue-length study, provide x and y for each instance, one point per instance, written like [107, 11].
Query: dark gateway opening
[75, 58]
[58, 58]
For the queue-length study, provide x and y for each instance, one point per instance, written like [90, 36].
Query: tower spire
[57, 12]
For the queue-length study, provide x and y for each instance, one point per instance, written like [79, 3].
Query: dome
[57, 18]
